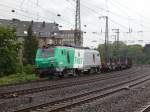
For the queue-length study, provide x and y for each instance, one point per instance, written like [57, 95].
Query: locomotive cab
[45, 59]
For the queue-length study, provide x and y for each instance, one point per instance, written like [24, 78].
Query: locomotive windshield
[45, 53]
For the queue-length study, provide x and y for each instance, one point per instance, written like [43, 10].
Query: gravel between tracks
[127, 101]
[46, 96]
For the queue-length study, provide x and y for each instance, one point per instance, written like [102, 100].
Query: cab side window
[94, 58]
[62, 52]
[68, 57]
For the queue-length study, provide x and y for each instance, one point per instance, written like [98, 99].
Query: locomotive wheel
[42, 75]
[50, 77]
[89, 71]
[76, 72]
[97, 70]
[61, 75]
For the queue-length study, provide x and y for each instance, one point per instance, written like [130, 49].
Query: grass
[17, 78]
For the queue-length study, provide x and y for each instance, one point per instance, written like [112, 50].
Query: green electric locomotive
[61, 60]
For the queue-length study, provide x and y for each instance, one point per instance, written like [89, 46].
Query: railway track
[44, 80]
[82, 98]
[13, 94]
[146, 109]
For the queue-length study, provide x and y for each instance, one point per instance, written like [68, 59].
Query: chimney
[43, 24]
[15, 20]
[32, 22]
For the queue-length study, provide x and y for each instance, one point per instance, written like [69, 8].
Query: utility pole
[117, 31]
[106, 39]
[77, 33]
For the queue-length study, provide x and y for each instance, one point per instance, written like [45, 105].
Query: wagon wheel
[76, 72]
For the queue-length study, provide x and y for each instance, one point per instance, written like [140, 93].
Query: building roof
[147, 45]
[68, 31]
[40, 29]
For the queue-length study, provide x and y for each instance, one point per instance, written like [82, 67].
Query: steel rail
[18, 93]
[78, 99]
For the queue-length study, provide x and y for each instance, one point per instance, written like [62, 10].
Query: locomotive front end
[45, 61]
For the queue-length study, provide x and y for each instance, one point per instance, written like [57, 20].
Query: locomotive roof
[52, 46]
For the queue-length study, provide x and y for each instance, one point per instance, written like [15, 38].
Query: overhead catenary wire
[52, 13]
[118, 23]
[29, 13]
[123, 25]
[21, 4]
[65, 19]
[97, 13]
[127, 18]
[22, 11]
[20, 14]
[126, 7]
[94, 11]
[117, 15]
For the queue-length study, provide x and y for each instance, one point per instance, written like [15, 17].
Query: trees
[30, 47]
[9, 48]
[136, 52]
[139, 54]
[101, 50]
[146, 51]
[113, 51]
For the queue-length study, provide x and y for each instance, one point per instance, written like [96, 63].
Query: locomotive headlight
[60, 63]
[52, 61]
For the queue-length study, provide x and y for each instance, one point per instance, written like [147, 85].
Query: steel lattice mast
[106, 39]
[77, 34]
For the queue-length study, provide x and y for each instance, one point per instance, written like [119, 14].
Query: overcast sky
[123, 14]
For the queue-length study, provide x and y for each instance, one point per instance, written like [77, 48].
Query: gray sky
[123, 14]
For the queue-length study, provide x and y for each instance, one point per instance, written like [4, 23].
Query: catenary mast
[77, 34]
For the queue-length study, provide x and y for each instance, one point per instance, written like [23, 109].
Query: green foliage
[147, 49]
[19, 68]
[30, 47]
[101, 50]
[139, 54]
[28, 69]
[136, 52]
[8, 51]
[112, 50]
[18, 78]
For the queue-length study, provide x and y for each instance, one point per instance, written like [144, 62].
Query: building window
[55, 33]
[25, 32]
[78, 54]
[50, 41]
[68, 57]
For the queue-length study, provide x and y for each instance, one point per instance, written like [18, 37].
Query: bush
[17, 78]
[29, 69]
[19, 68]
[8, 51]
